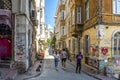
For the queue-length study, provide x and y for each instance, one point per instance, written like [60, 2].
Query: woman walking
[63, 58]
[56, 59]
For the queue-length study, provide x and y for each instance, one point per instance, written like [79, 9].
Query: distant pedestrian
[56, 59]
[50, 50]
[79, 57]
[63, 58]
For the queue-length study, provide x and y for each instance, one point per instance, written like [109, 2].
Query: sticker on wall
[104, 51]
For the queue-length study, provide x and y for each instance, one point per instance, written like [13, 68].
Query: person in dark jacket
[79, 57]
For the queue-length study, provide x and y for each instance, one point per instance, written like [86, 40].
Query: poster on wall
[101, 65]
[20, 48]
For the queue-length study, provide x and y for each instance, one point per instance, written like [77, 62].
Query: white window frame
[117, 44]
[62, 15]
[73, 17]
[79, 15]
[116, 6]
[87, 9]
[62, 2]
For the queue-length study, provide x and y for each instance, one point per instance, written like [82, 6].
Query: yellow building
[92, 27]
[100, 36]
[60, 24]
[68, 26]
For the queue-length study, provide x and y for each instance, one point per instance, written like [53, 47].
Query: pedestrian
[79, 57]
[56, 59]
[63, 58]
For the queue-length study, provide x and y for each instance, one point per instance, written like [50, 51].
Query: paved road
[49, 72]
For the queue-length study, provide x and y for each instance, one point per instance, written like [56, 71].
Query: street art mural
[20, 49]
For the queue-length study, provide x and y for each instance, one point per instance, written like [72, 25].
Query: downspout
[15, 37]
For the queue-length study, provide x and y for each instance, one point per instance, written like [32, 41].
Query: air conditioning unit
[33, 14]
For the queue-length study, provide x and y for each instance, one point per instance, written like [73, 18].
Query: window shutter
[114, 6]
[118, 7]
[79, 15]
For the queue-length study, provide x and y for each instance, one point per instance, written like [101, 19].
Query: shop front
[5, 35]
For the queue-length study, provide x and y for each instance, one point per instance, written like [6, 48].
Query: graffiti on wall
[20, 49]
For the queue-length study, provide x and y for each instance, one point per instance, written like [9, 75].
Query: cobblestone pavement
[49, 72]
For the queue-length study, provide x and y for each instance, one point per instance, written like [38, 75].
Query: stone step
[5, 63]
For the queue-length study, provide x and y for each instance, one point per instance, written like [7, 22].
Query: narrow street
[49, 72]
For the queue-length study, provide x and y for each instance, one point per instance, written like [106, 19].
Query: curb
[32, 76]
[86, 72]
[91, 75]
[37, 74]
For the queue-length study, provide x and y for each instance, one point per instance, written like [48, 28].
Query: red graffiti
[104, 51]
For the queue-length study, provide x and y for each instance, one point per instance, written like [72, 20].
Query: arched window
[86, 47]
[116, 44]
[86, 44]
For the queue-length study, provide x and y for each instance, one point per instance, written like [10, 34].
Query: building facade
[68, 25]
[94, 25]
[18, 31]
[41, 28]
[24, 21]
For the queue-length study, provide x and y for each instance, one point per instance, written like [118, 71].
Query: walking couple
[60, 55]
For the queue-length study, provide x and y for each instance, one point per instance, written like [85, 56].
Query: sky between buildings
[50, 9]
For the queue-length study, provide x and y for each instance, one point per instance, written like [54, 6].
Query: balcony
[63, 37]
[111, 18]
[76, 30]
[33, 17]
[62, 22]
[35, 22]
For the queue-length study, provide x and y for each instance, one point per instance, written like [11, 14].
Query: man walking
[79, 57]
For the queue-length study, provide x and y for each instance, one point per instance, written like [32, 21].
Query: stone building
[68, 25]
[41, 28]
[18, 25]
[96, 31]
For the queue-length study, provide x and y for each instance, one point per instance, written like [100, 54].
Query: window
[79, 15]
[116, 44]
[87, 9]
[72, 18]
[41, 31]
[116, 6]
[41, 13]
[86, 44]
[69, 45]
[62, 30]
[62, 2]
[62, 15]
[73, 45]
